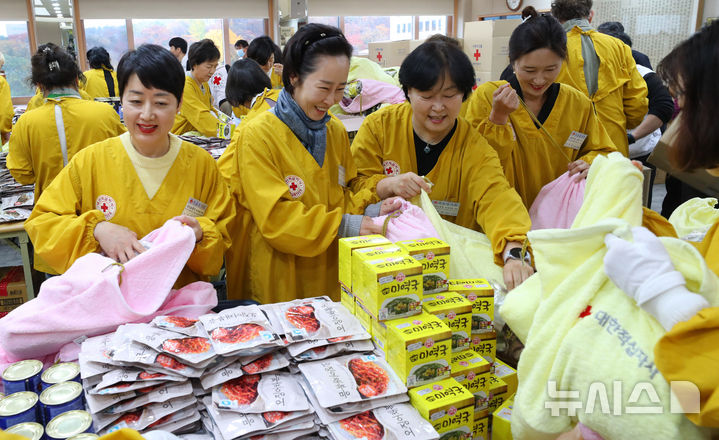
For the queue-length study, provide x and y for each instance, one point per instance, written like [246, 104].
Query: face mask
[240, 53]
[269, 72]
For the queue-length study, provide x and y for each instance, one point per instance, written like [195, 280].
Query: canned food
[22, 376]
[31, 430]
[60, 398]
[65, 372]
[68, 424]
[18, 408]
[85, 436]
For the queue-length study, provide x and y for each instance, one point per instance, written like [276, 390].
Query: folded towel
[558, 203]
[693, 218]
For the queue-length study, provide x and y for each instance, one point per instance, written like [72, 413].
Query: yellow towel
[693, 218]
[575, 346]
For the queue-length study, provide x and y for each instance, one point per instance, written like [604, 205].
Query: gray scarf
[312, 134]
[589, 54]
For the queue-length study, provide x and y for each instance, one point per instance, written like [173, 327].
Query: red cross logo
[216, 80]
[586, 312]
[296, 186]
[388, 170]
[391, 168]
[107, 205]
[379, 56]
[293, 186]
[477, 55]
[104, 207]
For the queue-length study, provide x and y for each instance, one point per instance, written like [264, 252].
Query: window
[14, 45]
[330, 21]
[244, 29]
[110, 34]
[361, 30]
[433, 24]
[157, 31]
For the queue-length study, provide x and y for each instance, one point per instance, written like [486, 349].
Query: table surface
[12, 227]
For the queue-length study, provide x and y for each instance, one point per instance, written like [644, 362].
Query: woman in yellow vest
[539, 127]
[118, 190]
[45, 139]
[262, 50]
[425, 137]
[642, 268]
[7, 112]
[245, 81]
[100, 80]
[291, 171]
[196, 110]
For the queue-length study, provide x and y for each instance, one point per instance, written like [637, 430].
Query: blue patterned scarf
[312, 134]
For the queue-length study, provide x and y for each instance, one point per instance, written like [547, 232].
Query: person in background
[291, 171]
[615, 29]
[241, 48]
[645, 136]
[262, 50]
[178, 47]
[603, 69]
[196, 110]
[643, 268]
[45, 139]
[217, 83]
[505, 112]
[100, 80]
[123, 188]
[398, 145]
[245, 82]
[7, 112]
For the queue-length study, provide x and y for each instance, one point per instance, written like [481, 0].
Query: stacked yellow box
[373, 253]
[456, 311]
[347, 246]
[447, 405]
[472, 371]
[433, 253]
[480, 428]
[419, 349]
[486, 345]
[502, 421]
[497, 391]
[391, 287]
[507, 374]
[480, 293]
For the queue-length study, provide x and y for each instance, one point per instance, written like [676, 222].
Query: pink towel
[407, 223]
[373, 92]
[95, 296]
[558, 203]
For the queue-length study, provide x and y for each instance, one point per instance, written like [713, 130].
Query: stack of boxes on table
[436, 333]
[486, 43]
[46, 404]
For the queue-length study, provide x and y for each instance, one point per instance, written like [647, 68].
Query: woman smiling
[425, 137]
[123, 188]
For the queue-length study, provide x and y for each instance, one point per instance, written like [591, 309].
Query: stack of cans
[44, 404]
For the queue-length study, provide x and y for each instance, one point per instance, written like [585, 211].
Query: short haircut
[201, 52]
[306, 46]
[537, 32]
[241, 43]
[427, 65]
[53, 67]
[244, 81]
[278, 54]
[446, 39]
[261, 49]
[564, 10]
[614, 32]
[99, 58]
[609, 27]
[155, 67]
[690, 70]
[179, 43]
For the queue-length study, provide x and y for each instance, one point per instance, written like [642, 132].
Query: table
[17, 230]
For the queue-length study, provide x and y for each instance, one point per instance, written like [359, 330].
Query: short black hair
[244, 81]
[610, 27]
[310, 42]
[260, 50]
[425, 66]
[537, 32]
[278, 54]
[564, 10]
[99, 58]
[53, 67]
[179, 43]
[202, 51]
[242, 43]
[446, 39]
[155, 67]
[615, 32]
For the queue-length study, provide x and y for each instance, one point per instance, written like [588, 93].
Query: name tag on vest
[194, 208]
[445, 207]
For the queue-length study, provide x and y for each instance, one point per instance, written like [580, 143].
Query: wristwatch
[516, 254]
[630, 138]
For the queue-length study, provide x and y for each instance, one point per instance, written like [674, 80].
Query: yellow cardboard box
[456, 311]
[346, 246]
[388, 53]
[507, 374]
[373, 253]
[364, 316]
[480, 429]
[486, 345]
[433, 253]
[502, 421]
[497, 391]
[347, 299]
[480, 293]
[472, 371]
[391, 287]
[447, 405]
[419, 349]
[13, 290]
